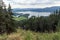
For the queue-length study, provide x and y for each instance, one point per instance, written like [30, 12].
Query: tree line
[43, 24]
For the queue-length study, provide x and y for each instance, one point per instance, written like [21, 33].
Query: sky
[32, 3]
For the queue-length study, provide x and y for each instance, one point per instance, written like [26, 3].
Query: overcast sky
[32, 3]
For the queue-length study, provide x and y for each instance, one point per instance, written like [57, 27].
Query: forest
[42, 24]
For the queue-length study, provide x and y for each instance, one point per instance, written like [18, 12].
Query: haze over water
[35, 13]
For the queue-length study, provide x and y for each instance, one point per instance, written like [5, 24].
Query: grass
[29, 35]
[19, 18]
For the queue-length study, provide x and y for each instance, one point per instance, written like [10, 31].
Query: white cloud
[32, 3]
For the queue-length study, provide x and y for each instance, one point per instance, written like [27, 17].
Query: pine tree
[6, 21]
[10, 22]
[2, 21]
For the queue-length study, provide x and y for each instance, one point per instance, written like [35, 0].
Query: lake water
[35, 13]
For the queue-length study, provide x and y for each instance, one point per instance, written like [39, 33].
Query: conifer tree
[6, 21]
[10, 22]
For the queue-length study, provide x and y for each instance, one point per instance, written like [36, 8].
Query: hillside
[19, 18]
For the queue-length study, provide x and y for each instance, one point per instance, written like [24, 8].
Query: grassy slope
[29, 35]
[19, 18]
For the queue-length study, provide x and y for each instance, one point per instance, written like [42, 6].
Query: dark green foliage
[58, 26]
[43, 24]
[10, 26]
[6, 21]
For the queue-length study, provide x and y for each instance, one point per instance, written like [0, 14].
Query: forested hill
[47, 9]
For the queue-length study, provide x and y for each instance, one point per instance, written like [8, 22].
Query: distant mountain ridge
[47, 9]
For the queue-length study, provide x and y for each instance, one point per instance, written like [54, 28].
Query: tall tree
[9, 22]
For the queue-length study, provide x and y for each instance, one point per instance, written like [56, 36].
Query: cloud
[27, 1]
[32, 3]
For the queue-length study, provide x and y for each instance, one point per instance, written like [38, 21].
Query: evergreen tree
[10, 22]
[6, 21]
